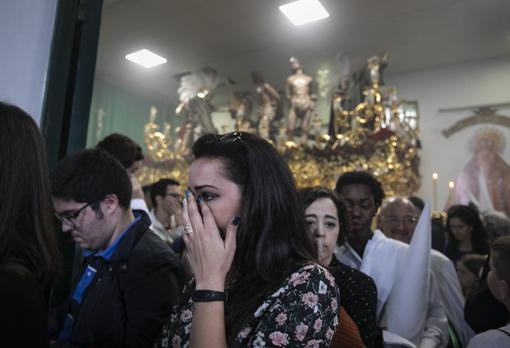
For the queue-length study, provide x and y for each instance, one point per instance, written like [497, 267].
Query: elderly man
[129, 279]
[383, 259]
[397, 219]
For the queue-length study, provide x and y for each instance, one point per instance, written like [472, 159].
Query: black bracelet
[207, 296]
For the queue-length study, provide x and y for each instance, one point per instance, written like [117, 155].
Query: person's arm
[137, 198]
[436, 327]
[210, 258]
[271, 91]
[288, 90]
[147, 294]
[359, 298]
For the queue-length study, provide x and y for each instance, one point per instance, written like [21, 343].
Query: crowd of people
[237, 256]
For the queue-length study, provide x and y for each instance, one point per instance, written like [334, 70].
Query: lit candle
[451, 185]
[435, 176]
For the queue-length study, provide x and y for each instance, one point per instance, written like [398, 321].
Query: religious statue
[240, 111]
[268, 109]
[340, 115]
[375, 67]
[298, 90]
[485, 178]
[195, 93]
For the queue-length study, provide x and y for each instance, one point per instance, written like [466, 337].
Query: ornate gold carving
[378, 136]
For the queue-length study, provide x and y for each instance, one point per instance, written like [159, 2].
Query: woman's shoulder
[311, 270]
[346, 274]
[307, 278]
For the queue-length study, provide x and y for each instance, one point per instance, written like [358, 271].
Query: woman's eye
[206, 196]
[310, 224]
[330, 224]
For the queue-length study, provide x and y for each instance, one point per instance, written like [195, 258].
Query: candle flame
[435, 176]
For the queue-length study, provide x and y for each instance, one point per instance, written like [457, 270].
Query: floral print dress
[303, 312]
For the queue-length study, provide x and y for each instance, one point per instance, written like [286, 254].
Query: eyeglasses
[69, 219]
[406, 220]
[231, 137]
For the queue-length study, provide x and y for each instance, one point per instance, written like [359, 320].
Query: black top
[482, 310]
[23, 312]
[358, 295]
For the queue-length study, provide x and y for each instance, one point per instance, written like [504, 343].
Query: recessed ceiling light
[145, 58]
[304, 11]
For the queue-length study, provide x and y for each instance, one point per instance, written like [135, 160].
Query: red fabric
[347, 334]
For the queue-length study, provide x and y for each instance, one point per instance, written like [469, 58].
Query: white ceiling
[238, 36]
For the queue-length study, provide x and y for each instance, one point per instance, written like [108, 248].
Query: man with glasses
[129, 279]
[383, 259]
[398, 218]
[166, 212]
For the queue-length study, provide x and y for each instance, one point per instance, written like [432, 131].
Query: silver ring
[188, 229]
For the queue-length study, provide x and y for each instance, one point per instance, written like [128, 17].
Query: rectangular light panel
[304, 11]
[146, 58]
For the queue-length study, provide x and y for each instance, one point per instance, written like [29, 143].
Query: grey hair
[496, 224]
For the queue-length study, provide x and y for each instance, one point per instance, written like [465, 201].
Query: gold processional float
[377, 135]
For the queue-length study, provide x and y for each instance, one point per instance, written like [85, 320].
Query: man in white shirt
[166, 209]
[397, 219]
[375, 254]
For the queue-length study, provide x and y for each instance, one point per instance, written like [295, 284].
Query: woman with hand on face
[255, 282]
[466, 233]
[325, 217]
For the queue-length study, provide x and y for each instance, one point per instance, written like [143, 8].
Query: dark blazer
[131, 295]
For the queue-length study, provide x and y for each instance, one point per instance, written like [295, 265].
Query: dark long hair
[470, 217]
[27, 236]
[272, 238]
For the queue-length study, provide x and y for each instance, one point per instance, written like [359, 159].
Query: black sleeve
[23, 313]
[358, 295]
[153, 288]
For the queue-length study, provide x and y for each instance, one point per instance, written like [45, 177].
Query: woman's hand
[210, 256]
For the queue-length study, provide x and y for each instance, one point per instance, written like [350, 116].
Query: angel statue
[375, 67]
[269, 107]
[195, 93]
[298, 90]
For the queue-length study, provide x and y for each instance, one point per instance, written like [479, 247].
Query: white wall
[470, 84]
[26, 31]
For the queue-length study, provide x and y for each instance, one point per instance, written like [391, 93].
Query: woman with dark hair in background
[466, 233]
[255, 281]
[325, 219]
[28, 250]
